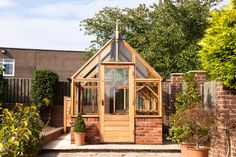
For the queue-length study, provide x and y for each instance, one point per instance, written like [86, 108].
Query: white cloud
[6, 3]
[54, 26]
[42, 33]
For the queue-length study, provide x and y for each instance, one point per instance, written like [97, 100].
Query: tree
[218, 53]
[165, 34]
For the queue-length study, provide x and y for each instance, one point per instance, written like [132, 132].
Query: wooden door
[117, 103]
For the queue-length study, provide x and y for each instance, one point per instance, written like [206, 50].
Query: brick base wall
[148, 130]
[92, 130]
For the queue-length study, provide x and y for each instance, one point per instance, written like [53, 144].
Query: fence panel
[18, 90]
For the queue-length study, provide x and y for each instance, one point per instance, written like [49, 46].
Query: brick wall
[175, 85]
[148, 130]
[64, 63]
[226, 103]
[92, 130]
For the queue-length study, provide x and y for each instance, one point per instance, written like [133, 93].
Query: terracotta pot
[194, 152]
[79, 138]
[184, 150]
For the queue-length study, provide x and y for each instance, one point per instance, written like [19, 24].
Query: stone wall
[148, 130]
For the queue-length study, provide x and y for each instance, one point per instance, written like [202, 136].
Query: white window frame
[13, 65]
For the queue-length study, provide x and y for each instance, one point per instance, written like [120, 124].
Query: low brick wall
[226, 103]
[148, 130]
[52, 135]
[92, 130]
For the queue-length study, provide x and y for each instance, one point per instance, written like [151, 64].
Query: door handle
[103, 102]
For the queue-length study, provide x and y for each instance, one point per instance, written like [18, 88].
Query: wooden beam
[124, 99]
[160, 99]
[93, 99]
[87, 80]
[146, 80]
[117, 63]
[72, 97]
[101, 105]
[131, 101]
[81, 100]
[139, 88]
[76, 104]
[152, 91]
[90, 87]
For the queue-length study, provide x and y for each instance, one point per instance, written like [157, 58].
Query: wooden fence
[17, 90]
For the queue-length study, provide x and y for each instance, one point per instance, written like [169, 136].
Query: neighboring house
[21, 62]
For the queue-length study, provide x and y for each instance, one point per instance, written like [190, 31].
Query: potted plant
[196, 124]
[79, 130]
[193, 121]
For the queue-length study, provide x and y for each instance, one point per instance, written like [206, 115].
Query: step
[62, 146]
[108, 154]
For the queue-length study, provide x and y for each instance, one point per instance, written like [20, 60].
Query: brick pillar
[201, 78]
[176, 80]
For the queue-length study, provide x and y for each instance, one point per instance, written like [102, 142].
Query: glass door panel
[116, 90]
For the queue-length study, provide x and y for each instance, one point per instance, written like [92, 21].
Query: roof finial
[117, 31]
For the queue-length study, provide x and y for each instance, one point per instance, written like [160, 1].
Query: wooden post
[93, 97]
[131, 101]
[101, 103]
[117, 40]
[160, 98]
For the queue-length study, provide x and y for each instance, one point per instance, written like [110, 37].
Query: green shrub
[219, 46]
[34, 144]
[17, 130]
[79, 125]
[44, 85]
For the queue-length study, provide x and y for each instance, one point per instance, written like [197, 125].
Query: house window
[8, 65]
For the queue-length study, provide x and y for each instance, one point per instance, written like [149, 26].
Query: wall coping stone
[196, 71]
[176, 74]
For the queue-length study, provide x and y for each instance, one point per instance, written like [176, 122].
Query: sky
[53, 24]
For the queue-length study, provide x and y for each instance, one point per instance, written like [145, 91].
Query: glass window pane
[8, 69]
[116, 90]
[124, 54]
[146, 98]
[119, 99]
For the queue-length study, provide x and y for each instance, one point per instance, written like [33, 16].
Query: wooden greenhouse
[119, 95]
